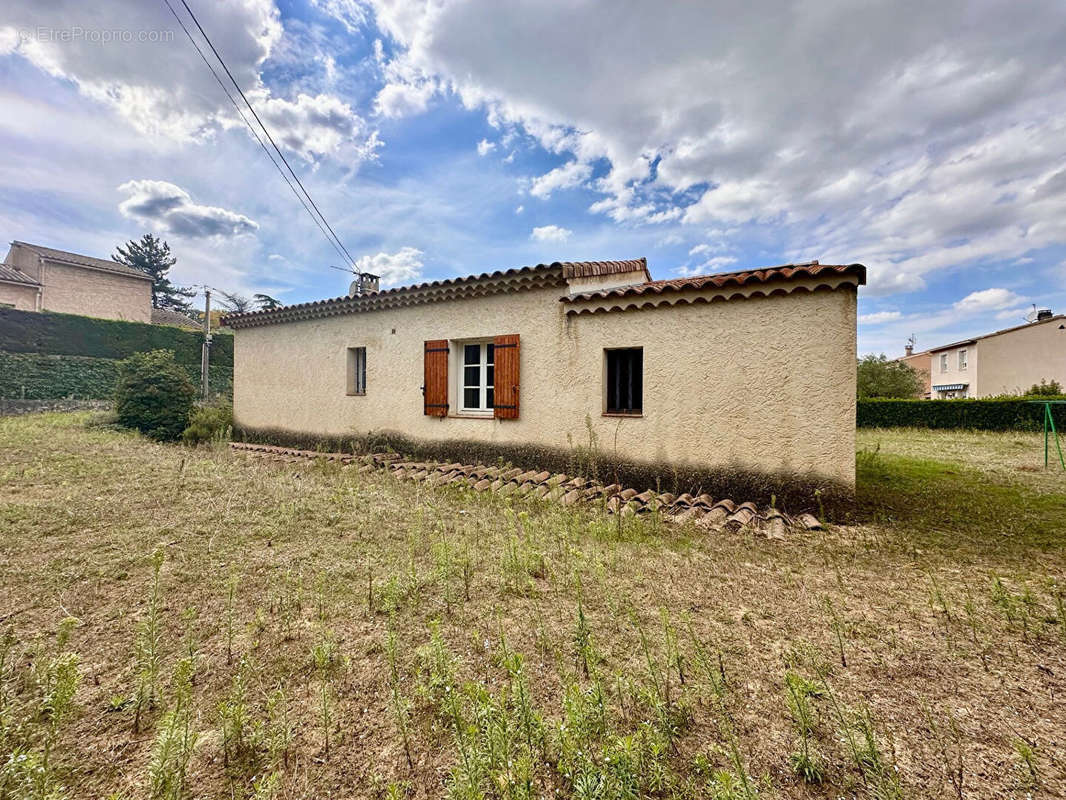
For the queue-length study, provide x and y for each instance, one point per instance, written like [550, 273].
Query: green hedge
[34, 376]
[72, 335]
[1001, 414]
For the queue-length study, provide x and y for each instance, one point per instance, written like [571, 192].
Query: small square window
[356, 370]
[625, 381]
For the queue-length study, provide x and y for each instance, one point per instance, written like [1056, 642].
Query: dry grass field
[203, 624]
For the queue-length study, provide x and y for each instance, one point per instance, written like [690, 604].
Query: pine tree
[264, 302]
[152, 257]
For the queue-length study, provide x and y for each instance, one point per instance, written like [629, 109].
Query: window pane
[490, 375]
[491, 350]
[472, 354]
[625, 381]
[472, 376]
[471, 398]
[490, 401]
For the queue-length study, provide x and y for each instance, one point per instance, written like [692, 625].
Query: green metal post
[1047, 414]
[1058, 445]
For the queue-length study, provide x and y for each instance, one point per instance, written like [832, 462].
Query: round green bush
[154, 395]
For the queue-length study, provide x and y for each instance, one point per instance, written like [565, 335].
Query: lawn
[202, 623]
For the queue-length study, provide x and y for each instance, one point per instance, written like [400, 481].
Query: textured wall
[763, 383]
[1014, 361]
[24, 298]
[96, 293]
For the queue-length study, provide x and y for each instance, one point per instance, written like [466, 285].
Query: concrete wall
[24, 298]
[764, 383]
[1012, 362]
[95, 293]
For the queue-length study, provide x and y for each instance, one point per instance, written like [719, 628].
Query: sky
[452, 137]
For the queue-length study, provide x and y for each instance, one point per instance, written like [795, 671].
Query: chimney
[364, 283]
[909, 349]
[1043, 314]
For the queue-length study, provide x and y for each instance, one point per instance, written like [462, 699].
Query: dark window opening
[625, 381]
[356, 370]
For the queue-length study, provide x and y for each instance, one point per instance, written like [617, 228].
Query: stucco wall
[760, 383]
[24, 298]
[96, 293]
[1012, 362]
[921, 363]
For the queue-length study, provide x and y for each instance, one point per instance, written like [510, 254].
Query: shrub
[878, 376]
[154, 395]
[210, 423]
[993, 414]
[1045, 389]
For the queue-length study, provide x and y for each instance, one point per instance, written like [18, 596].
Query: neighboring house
[36, 278]
[1005, 362]
[164, 316]
[748, 371]
[919, 362]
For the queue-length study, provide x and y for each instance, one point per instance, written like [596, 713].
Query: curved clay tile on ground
[703, 510]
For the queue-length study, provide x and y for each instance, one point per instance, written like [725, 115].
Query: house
[36, 278]
[1005, 362]
[746, 373]
[919, 362]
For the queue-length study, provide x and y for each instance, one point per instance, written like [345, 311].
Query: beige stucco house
[1008, 361]
[36, 278]
[750, 371]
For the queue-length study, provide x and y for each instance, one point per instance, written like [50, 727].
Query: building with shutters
[752, 371]
[37, 278]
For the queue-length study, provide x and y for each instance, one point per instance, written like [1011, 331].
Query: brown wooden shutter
[506, 380]
[435, 388]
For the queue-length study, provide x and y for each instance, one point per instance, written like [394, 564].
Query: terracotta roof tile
[433, 290]
[723, 279]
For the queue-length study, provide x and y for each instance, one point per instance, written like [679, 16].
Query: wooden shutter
[506, 379]
[435, 386]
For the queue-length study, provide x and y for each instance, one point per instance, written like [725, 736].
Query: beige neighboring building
[1005, 362]
[750, 370]
[36, 278]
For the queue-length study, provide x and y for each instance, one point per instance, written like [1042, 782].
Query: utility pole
[205, 353]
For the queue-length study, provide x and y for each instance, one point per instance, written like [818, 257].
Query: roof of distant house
[997, 333]
[164, 316]
[78, 260]
[11, 274]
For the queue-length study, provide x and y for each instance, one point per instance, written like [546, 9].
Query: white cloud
[403, 266]
[569, 175]
[519, 209]
[550, 233]
[987, 300]
[944, 149]
[162, 204]
[879, 317]
[157, 83]
[484, 147]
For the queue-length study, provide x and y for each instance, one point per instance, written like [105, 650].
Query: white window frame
[356, 371]
[482, 409]
[963, 362]
[943, 362]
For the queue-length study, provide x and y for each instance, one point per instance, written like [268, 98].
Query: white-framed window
[962, 360]
[477, 377]
[943, 362]
[356, 370]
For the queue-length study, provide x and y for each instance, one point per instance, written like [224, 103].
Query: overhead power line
[320, 220]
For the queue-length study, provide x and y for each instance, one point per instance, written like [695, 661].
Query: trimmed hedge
[71, 335]
[34, 376]
[1000, 414]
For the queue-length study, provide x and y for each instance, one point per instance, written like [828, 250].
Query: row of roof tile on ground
[702, 510]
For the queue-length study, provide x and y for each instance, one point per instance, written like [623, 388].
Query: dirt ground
[319, 632]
